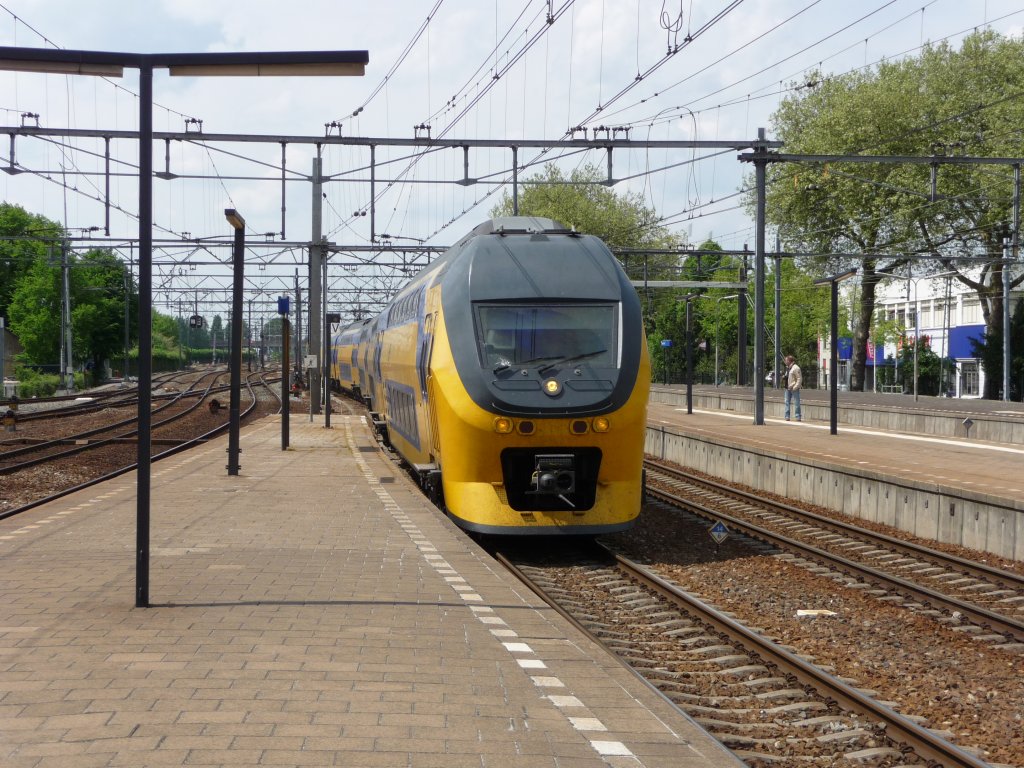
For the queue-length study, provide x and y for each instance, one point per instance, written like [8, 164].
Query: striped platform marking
[581, 719]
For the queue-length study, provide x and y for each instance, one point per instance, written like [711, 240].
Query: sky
[469, 69]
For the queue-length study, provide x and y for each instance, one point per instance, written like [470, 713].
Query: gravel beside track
[927, 670]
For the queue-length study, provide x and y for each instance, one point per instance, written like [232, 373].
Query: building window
[926, 315]
[971, 313]
[969, 379]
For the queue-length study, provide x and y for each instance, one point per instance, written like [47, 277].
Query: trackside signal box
[282, 305]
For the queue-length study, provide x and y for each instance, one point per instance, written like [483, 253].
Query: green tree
[35, 312]
[165, 332]
[97, 295]
[218, 337]
[582, 201]
[929, 366]
[806, 311]
[24, 238]
[944, 100]
[98, 307]
[622, 221]
[990, 350]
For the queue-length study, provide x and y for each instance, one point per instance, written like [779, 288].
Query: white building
[947, 314]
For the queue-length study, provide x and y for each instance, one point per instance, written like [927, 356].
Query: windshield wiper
[555, 360]
[569, 359]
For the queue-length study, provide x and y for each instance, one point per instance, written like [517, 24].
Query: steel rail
[184, 445]
[965, 566]
[95, 398]
[983, 617]
[603, 553]
[90, 404]
[99, 443]
[900, 729]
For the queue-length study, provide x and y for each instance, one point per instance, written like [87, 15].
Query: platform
[314, 610]
[953, 489]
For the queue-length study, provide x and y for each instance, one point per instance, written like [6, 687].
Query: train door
[423, 355]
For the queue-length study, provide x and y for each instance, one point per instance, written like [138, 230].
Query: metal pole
[833, 363]
[689, 361]
[1006, 320]
[327, 353]
[127, 296]
[316, 253]
[3, 360]
[515, 181]
[917, 332]
[68, 362]
[298, 324]
[248, 339]
[238, 288]
[760, 166]
[741, 328]
[716, 344]
[945, 337]
[778, 312]
[1014, 254]
[180, 334]
[144, 457]
[285, 394]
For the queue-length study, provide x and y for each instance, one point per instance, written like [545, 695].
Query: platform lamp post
[238, 267]
[833, 362]
[689, 352]
[112, 64]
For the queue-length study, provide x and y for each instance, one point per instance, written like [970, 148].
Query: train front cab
[541, 474]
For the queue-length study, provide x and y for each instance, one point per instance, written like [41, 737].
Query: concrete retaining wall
[949, 515]
[994, 428]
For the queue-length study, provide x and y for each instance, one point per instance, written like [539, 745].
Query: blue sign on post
[666, 342]
[282, 305]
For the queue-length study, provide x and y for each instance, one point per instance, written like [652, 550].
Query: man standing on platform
[794, 380]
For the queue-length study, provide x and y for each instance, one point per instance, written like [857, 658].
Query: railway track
[59, 406]
[88, 440]
[117, 463]
[768, 704]
[984, 601]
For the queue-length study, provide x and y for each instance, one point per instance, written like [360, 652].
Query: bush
[33, 383]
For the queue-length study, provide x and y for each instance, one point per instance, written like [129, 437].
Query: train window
[516, 334]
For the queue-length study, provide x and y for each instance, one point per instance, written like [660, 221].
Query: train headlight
[578, 427]
[525, 427]
[601, 424]
[503, 425]
[552, 387]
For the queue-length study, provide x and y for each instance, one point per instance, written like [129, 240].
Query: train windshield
[547, 334]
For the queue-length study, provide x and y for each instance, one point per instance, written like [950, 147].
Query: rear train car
[345, 372]
[512, 376]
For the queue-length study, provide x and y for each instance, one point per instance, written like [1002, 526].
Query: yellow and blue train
[512, 376]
